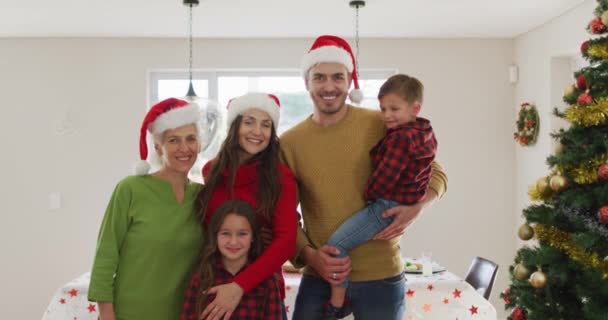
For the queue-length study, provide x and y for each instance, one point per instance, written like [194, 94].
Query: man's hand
[227, 297]
[333, 270]
[404, 216]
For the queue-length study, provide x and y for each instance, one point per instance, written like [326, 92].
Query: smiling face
[255, 132]
[234, 239]
[397, 111]
[327, 84]
[178, 148]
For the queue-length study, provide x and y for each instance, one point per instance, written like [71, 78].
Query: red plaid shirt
[402, 162]
[261, 303]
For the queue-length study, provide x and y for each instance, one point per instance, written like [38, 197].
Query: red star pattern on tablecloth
[426, 307]
[410, 293]
[446, 301]
[91, 308]
[456, 293]
[473, 310]
[73, 292]
[62, 301]
[430, 287]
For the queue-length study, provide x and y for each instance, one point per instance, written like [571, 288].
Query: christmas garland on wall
[527, 125]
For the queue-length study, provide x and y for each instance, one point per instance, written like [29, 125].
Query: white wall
[71, 109]
[546, 57]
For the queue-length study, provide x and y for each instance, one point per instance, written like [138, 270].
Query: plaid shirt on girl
[261, 303]
[402, 162]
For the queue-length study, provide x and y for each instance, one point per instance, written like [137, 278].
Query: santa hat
[268, 103]
[334, 49]
[168, 114]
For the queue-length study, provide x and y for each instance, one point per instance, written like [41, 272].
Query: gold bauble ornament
[558, 148]
[538, 279]
[542, 185]
[558, 183]
[525, 232]
[605, 18]
[569, 90]
[520, 272]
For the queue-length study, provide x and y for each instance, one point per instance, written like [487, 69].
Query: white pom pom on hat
[328, 48]
[170, 113]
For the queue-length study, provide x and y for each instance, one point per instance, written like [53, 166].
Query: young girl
[247, 168]
[232, 243]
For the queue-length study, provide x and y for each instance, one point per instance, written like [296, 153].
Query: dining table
[442, 295]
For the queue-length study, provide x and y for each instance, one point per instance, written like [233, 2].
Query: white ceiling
[277, 18]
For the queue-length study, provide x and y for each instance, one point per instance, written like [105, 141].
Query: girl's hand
[227, 297]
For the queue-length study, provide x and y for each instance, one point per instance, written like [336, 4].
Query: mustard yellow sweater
[332, 165]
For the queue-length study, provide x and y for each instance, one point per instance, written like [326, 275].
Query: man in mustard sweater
[329, 155]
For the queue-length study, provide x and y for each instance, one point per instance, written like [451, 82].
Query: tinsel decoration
[588, 172]
[597, 52]
[578, 215]
[590, 115]
[563, 241]
[595, 49]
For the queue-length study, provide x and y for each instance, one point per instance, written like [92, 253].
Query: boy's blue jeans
[361, 227]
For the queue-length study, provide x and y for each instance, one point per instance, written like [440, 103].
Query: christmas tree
[563, 273]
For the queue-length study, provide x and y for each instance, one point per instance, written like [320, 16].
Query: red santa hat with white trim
[329, 49]
[170, 113]
[268, 103]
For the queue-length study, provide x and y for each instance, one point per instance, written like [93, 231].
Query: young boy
[402, 171]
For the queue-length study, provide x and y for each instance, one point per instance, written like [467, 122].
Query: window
[221, 86]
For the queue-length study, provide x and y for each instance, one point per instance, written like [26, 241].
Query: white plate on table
[436, 268]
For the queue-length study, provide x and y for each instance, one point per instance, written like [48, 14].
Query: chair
[481, 275]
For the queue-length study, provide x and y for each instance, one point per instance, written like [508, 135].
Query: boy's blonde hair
[408, 88]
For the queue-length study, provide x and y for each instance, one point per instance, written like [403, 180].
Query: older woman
[149, 238]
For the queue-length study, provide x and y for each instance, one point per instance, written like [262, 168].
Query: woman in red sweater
[248, 168]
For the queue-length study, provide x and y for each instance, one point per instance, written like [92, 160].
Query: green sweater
[147, 246]
[332, 166]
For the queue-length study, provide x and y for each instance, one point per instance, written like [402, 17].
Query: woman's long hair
[210, 254]
[269, 187]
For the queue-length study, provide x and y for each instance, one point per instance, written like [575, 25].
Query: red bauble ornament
[596, 25]
[584, 47]
[602, 172]
[602, 214]
[518, 314]
[505, 294]
[581, 82]
[584, 99]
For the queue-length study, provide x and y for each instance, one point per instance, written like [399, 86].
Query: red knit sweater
[283, 224]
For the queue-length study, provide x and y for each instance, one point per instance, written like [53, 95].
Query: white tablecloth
[442, 296]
